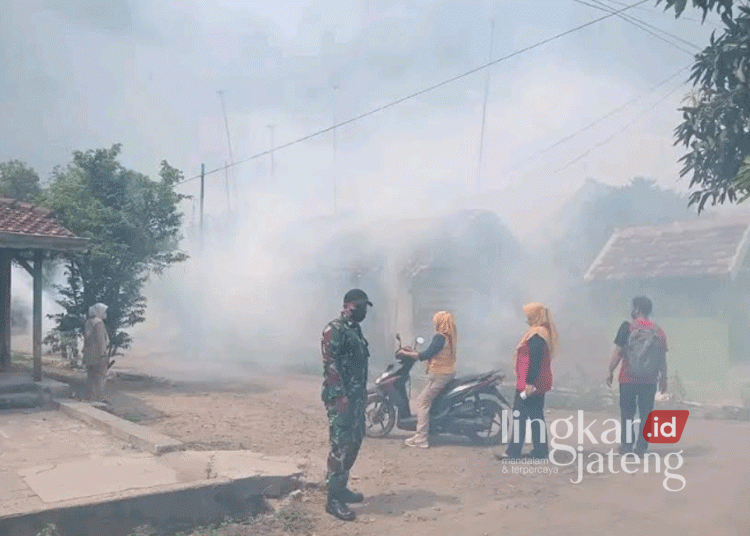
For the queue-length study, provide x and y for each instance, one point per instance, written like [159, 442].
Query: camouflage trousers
[346, 431]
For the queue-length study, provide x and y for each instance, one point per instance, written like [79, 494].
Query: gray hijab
[98, 310]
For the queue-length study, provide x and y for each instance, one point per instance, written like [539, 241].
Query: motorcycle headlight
[462, 388]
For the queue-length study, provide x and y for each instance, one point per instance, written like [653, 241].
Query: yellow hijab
[540, 323]
[445, 324]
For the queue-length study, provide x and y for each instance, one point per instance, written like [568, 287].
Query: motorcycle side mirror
[398, 338]
[420, 340]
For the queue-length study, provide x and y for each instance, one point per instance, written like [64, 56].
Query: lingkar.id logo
[665, 425]
[661, 426]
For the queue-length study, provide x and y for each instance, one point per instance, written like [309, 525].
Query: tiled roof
[413, 244]
[27, 226]
[682, 249]
[23, 218]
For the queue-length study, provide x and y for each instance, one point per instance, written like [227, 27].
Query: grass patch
[22, 358]
[290, 520]
[132, 417]
[50, 529]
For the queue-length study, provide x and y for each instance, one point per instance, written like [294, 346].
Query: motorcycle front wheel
[380, 416]
[492, 435]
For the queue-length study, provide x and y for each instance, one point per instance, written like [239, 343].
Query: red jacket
[543, 382]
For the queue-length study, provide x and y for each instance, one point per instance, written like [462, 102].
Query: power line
[620, 131]
[646, 27]
[642, 26]
[599, 119]
[664, 12]
[624, 105]
[656, 28]
[423, 91]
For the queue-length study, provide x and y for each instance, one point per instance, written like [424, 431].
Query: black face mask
[359, 313]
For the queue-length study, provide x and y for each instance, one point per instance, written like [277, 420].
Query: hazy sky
[83, 74]
[79, 74]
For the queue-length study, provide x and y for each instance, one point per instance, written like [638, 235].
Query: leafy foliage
[707, 6]
[49, 529]
[18, 181]
[716, 119]
[639, 203]
[133, 224]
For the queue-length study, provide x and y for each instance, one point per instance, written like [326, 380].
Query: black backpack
[645, 351]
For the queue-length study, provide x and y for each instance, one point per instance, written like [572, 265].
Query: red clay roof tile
[25, 219]
[682, 249]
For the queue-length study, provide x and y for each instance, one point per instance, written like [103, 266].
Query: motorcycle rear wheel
[380, 416]
[489, 407]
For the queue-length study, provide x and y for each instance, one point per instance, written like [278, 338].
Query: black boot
[337, 508]
[349, 496]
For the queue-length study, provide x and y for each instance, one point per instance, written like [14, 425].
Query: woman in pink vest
[533, 367]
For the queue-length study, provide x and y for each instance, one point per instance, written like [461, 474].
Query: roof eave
[590, 273]
[656, 277]
[594, 271]
[47, 243]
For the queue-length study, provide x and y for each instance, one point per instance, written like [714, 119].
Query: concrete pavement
[54, 468]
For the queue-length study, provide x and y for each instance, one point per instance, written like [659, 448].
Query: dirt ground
[453, 487]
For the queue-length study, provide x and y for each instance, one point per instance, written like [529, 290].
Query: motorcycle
[470, 406]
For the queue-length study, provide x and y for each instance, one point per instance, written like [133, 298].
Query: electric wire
[417, 93]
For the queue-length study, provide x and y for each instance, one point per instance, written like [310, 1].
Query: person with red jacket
[636, 393]
[533, 367]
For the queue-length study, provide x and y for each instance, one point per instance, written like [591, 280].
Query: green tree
[18, 181]
[641, 202]
[720, 6]
[716, 119]
[134, 227]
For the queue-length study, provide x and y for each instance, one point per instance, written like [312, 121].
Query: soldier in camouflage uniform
[345, 356]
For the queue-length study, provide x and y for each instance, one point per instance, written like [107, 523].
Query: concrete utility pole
[226, 182]
[335, 170]
[229, 142]
[196, 320]
[484, 109]
[271, 132]
[203, 181]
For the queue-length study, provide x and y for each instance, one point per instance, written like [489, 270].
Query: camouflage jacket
[345, 355]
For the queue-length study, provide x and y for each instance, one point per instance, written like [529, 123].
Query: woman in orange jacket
[441, 368]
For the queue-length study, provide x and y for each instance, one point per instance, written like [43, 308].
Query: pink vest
[544, 379]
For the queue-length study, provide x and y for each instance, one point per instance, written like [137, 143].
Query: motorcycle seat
[461, 380]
